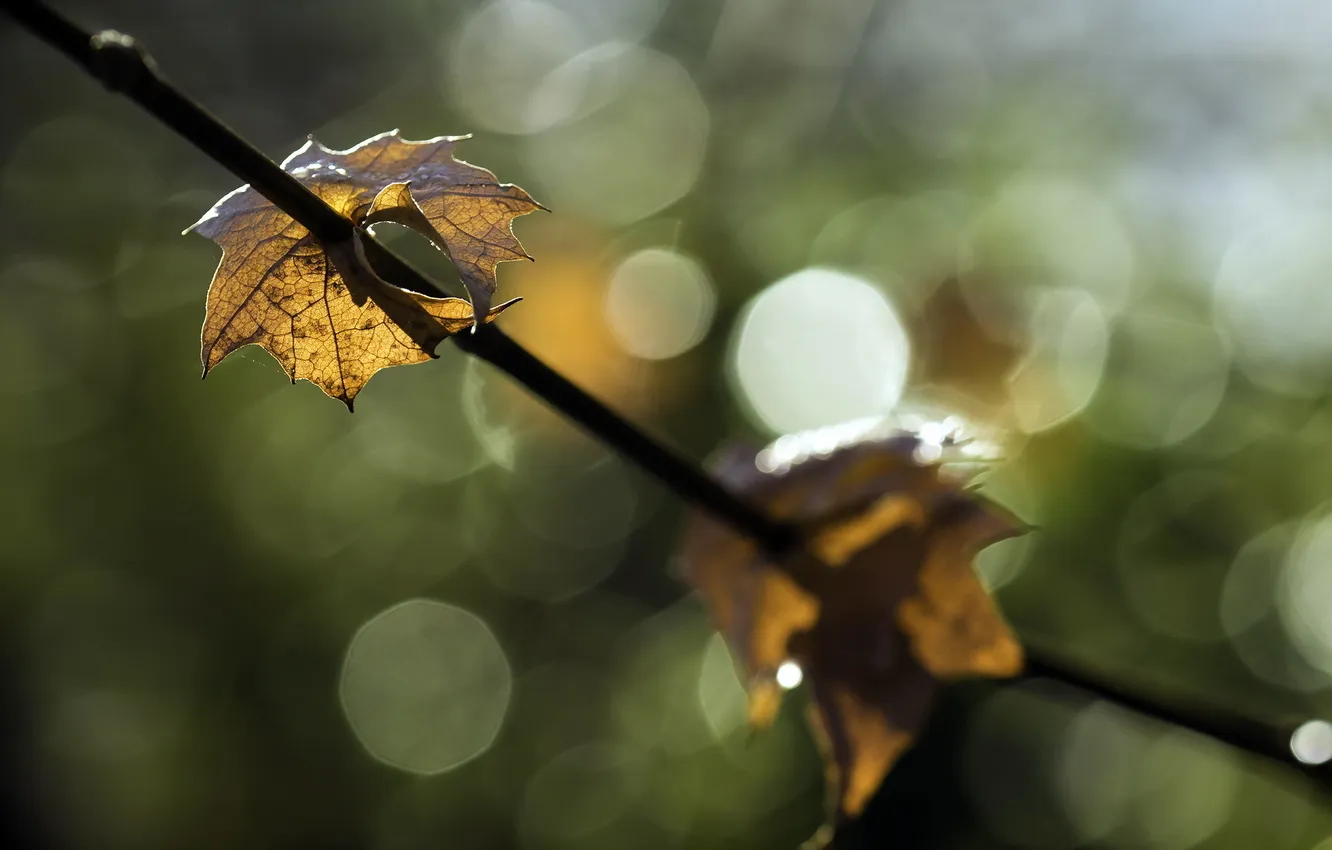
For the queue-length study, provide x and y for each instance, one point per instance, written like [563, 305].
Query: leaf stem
[122, 66]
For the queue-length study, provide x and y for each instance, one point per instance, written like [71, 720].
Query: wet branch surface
[121, 66]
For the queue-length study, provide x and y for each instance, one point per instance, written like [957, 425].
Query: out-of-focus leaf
[900, 610]
[319, 309]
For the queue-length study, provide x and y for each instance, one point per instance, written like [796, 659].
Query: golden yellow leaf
[470, 211]
[900, 610]
[318, 308]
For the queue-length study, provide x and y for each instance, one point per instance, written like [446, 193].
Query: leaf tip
[497, 309]
[193, 228]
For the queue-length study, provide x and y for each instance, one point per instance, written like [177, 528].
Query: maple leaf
[318, 308]
[900, 610]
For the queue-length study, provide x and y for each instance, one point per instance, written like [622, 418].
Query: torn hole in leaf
[395, 204]
[420, 253]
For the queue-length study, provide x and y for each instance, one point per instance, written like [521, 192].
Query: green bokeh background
[185, 563]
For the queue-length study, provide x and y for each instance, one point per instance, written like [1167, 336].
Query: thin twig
[122, 66]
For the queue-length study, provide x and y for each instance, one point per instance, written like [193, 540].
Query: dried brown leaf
[470, 211]
[319, 309]
[901, 610]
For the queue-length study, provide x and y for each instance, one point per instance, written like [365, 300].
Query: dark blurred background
[236, 616]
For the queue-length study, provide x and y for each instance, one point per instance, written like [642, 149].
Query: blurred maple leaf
[318, 308]
[900, 610]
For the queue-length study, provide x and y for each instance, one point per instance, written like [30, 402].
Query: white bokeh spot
[817, 348]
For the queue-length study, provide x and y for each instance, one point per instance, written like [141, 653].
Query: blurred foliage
[1100, 226]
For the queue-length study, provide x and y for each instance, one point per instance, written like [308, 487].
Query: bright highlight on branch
[789, 675]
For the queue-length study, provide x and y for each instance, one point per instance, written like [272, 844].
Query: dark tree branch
[123, 67]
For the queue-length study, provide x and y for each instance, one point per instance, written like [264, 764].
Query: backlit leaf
[319, 309]
[900, 609]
